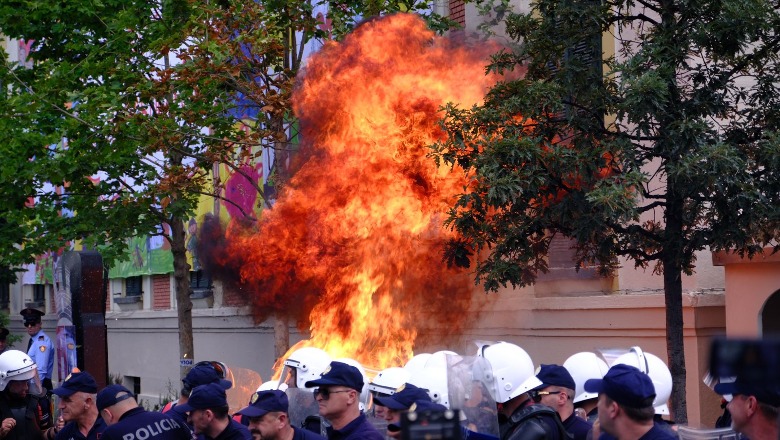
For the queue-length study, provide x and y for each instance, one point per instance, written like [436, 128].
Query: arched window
[770, 316]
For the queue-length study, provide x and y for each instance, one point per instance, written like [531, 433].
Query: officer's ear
[106, 415]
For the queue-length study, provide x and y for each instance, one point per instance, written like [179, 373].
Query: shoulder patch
[43, 348]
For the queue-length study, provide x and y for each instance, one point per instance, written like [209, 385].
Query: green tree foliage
[145, 97]
[664, 147]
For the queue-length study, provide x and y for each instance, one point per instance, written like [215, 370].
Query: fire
[353, 246]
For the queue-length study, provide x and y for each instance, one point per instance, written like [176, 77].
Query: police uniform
[267, 401]
[71, 431]
[340, 373]
[139, 424]
[212, 396]
[40, 347]
[27, 414]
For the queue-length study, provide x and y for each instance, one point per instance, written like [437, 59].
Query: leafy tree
[668, 146]
[130, 105]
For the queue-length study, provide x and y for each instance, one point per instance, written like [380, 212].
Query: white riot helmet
[365, 395]
[417, 362]
[583, 366]
[388, 380]
[309, 363]
[270, 385]
[654, 367]
[16, 365]
[513, 369]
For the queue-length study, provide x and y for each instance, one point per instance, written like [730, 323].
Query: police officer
[20, 411]
[78, 408]
[201, 374]
[754, 408]
[39, 347]
[269, 420]
[400, 401]
[208, 414]
[128, 421]
[557, 392]
[626, 410]
[338, 397]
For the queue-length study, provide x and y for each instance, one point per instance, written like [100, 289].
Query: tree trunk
[181, 272]
[675, 344]
[281, 336]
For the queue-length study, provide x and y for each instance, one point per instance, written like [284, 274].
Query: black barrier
[80, 296]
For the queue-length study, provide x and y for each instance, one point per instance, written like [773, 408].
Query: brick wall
[458, 12]
[161, 292]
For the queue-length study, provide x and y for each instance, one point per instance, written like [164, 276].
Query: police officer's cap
[625, 385]
[263, 402]
[339, 373]
[111, 395]
[75, 382]
[203, 374]
[207, 396]
[31, 316]
[555, 376]
[404, 397]
[3, 333]
[766, 393]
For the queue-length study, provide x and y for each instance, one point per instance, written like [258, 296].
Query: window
[39, 293]
[199, 280]
[133, 286]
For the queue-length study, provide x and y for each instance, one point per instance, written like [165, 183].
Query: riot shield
[302, 406]
[245, 383]
[470, 386]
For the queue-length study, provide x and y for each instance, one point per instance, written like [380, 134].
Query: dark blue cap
[111, 395]
[75, 382]
[427, 405]
[553, 375]
[625, 385]
[203, 374]
[339, 373]
[404, 397]
[31, 316]
[764, 392]
[211, 395]
[263, 402]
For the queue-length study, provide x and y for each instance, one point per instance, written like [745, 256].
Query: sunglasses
[536, 396]
[325, 393]
[30, 324]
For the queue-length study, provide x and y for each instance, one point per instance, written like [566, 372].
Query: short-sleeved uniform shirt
[42, 353]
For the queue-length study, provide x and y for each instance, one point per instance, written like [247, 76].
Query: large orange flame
[354, 243]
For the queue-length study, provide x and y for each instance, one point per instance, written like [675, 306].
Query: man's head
[77, 397]
[404, 397]
[113, 401]
[201, 374]
[556, 390]
[31, 319]
[208, 409]
[338, 392]
[625, 398]
[267, 413]
[753, 408]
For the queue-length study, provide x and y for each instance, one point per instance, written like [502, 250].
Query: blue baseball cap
[762, 392]
[211, 395]
[203, 374]
[625, 385]
[111, 395]
[339, 373]
[404, 397]
[263, 402]
[554, 375]
[76, 382]
[419, 406]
